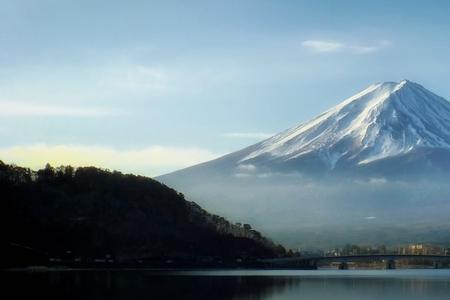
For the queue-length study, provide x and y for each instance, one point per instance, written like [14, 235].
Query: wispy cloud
[28, 109]
[372, 181]
[327, 46]
[377, 180]
[114, 80]
[246, 168]
[151, 161]
[248, 135]
[322, 46]
[136, 78]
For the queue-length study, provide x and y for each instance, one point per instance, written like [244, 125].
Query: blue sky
[152, 86]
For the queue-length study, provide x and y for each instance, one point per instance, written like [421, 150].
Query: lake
[228, 284]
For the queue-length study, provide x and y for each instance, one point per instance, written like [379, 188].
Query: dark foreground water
[321, 284]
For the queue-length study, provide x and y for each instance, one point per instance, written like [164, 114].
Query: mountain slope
[377, 161]
[384, 121]
[93, 213]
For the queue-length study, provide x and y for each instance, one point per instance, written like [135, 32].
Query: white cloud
[372, 181]
[246, 168]
[151, 161]
[28, 109]
[323, 46]
[248, 135]
[363, 49]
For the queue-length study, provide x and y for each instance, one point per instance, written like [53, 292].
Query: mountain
[384, 121]
[389, 141]
[89, 214]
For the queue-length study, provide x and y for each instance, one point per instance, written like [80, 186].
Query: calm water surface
[237, 284]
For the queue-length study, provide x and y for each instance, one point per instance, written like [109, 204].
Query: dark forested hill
[89, 213]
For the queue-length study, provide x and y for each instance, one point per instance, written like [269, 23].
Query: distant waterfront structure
[423, 249]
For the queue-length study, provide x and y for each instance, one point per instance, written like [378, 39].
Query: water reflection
[116, 285]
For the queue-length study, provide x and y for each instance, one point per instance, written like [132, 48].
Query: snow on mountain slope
[387, 128]
[375, 168]
[384, 120]
[372, 169]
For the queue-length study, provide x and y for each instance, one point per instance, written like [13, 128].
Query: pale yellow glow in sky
[150, 161]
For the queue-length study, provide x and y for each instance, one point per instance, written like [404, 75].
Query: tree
[46, 174]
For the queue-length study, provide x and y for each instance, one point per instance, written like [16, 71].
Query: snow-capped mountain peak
[383, 152]
[384, 120]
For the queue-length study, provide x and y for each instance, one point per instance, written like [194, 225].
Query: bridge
[312, 262]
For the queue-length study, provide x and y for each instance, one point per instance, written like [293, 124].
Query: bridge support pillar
[390, 264]
[343, 266]
[438, 265]
[313, 264]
